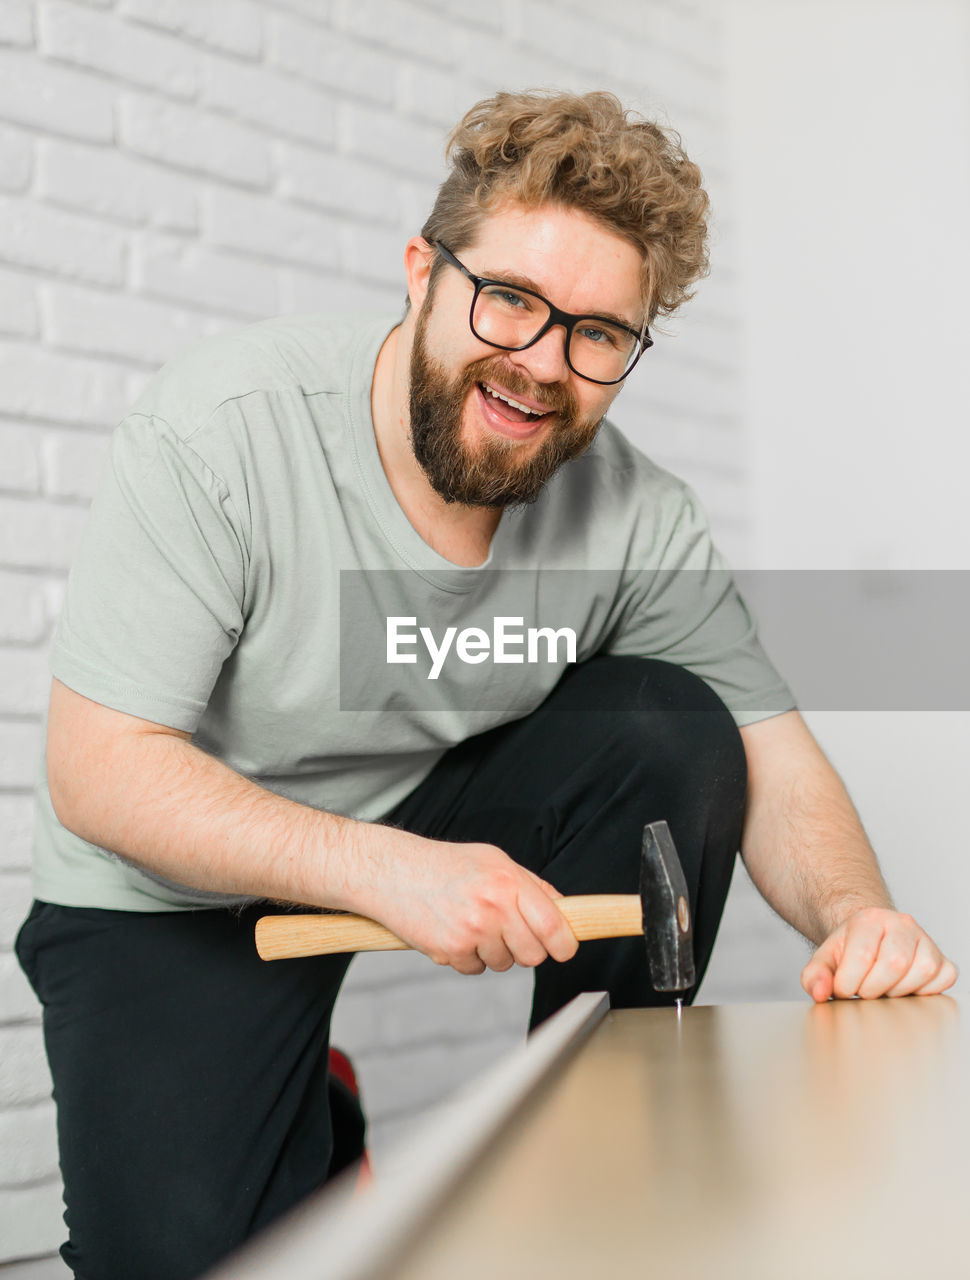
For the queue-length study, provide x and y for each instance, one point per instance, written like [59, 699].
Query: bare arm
[143, 790]
[803, 843]
[809, 856]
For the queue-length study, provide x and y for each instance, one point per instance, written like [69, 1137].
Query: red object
[341, 1068]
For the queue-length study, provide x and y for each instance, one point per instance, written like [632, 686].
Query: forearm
[163, 804]
[803, 843]
[144, 791]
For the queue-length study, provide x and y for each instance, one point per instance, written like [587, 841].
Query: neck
[459, 533]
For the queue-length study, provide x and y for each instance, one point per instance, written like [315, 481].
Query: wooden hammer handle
[593, 915]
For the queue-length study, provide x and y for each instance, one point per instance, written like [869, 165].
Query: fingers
[471, 967]
[817, 981]
[927, 967]
[863, 940]
[900, 967]
[495, 953]
[907, 960]
[525, 932]
[947, 975]
[877, 952]
[547, 925]
[533, 931]
[513, 921]
[818, 976]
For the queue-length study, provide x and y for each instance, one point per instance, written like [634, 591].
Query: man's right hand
[467, 905]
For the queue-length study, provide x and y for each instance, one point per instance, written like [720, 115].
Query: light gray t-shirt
[244, 556]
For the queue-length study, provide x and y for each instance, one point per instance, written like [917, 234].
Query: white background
[849, 143]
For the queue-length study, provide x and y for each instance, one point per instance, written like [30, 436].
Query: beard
[494, 474]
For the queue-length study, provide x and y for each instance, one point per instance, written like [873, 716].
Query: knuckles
[491, 906]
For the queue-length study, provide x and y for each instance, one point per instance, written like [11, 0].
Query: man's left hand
[877, 952]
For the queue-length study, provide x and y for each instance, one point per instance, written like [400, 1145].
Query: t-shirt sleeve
[155, 599]
[688, 611]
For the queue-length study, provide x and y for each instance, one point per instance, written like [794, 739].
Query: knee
[668, 718]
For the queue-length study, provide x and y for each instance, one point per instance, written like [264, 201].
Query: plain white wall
[849, 134]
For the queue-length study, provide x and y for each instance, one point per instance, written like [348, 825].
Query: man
[228, 726]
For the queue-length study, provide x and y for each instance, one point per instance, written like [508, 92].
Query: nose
[545, 360]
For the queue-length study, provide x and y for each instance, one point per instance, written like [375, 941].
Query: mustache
[556, 396]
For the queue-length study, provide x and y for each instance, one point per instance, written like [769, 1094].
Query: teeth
[538, 413]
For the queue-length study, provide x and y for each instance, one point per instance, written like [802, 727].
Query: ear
[418, 258]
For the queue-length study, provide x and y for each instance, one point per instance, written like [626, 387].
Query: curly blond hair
[585, 152]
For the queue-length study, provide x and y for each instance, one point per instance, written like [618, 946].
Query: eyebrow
[525, 282]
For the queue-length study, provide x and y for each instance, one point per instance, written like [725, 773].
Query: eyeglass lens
[510, 318]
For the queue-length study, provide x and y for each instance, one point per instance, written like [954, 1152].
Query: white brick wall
[115, 186]
[171, 167]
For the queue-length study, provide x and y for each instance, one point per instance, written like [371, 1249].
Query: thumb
[818, 976]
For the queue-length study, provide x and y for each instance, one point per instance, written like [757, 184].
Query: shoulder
[615, 506]
[615, 472]
[302, 355]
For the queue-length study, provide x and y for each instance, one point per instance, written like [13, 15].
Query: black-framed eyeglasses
[511, 318]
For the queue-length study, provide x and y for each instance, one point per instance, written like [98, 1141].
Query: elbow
[66, 790]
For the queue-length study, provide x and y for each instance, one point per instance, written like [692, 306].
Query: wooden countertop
[773, 1141]
[747, 1142]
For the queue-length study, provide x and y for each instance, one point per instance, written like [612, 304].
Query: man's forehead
[563, 254]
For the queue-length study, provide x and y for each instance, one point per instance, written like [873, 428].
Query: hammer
[660, 912]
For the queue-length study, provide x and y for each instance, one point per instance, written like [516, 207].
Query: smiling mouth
[510, 409]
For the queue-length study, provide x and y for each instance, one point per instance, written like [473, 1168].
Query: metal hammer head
[667, 925]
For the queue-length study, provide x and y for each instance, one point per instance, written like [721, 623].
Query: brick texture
[18, 304]
[270, 229]
[31, 1219]
[54, 99]
[23, 618]
[24, 682]
[329, 180]
[20, 744]
[16, 22]
[115, 324]
[98, 41]
[405, 28]
[16, 159]
[171, 167]
[344, 65]
[16, 827]
[60, 244]
[187, 138]
[19, 460]
[233, 26]
[39, 383]
[186, 271]
[37, 533]
[16, 902]
[24, 1076]
[17, 997]
[272, 101]
[72, 462]
[28, 1147]
[115, 186]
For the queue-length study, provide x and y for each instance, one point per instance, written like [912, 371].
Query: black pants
[191, 1078]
